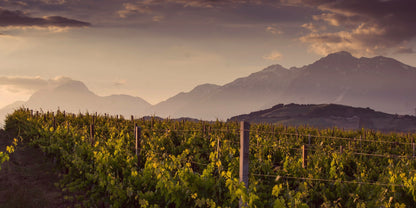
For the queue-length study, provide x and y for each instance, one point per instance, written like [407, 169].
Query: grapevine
[196, 164]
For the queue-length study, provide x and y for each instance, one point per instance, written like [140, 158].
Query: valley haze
[381, 83]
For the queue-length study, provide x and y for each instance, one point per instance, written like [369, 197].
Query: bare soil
[28, 179]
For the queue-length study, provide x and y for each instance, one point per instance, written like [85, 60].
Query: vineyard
[196, 164]
[5, 156]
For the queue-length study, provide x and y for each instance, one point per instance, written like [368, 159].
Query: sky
[155, 49]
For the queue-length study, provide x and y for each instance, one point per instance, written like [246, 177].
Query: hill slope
[331, 115]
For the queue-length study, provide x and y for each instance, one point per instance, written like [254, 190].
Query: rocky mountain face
[380, 83]
[187, 104]
[254, 92]
[330, 115]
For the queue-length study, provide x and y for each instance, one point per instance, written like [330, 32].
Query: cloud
[148, 6]
[54, 2]
[405, 50]
[273, 56]
[362, 27]
[18, 18]
[14, 83]
[245, 9]
[118, 83]
[314, 27]
[273, 30]
[206, 3]
[130, 9]
[182, 13]
[196, 3]
[158, 18]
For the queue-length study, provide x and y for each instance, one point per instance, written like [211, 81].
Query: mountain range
[381, 83]
[74, 96]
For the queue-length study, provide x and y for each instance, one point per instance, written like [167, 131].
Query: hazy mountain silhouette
[240, 96]
[74, 96]
[331, 115]
[185, 104]
[8, 109]
[380, 83]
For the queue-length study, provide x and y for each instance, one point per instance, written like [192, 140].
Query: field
[196, 164]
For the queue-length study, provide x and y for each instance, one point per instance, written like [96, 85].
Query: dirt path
[28, 178]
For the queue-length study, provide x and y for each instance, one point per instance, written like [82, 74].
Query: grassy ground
[28, 178]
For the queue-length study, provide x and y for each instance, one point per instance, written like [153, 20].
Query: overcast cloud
[363, 27]
[30, 83]
[19, 18]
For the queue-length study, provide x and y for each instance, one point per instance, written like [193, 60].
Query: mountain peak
[73, 86]
[341, 53]
[204, 88]
[341, 58]
[275, 67]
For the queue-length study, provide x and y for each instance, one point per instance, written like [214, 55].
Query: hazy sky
[155, 49]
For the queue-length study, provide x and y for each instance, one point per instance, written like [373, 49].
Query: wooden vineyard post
[341, 149]
[218, 148]
[304, 156]
[92, 132]
[244, 155]
[413, 147]
[137, 132]
[54, 122]
[94, 118]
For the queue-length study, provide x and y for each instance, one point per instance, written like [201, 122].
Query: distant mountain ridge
[381, 83]
[74, 96]
[330, 115]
